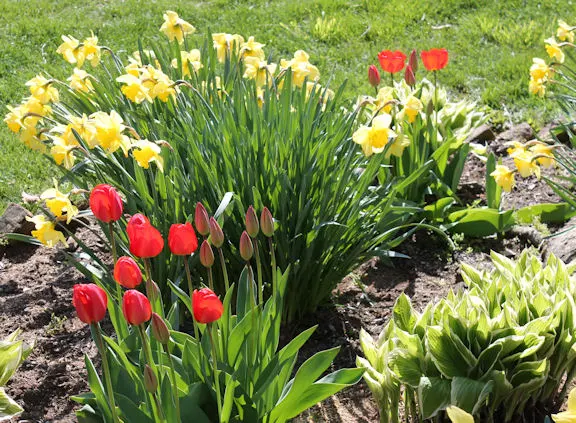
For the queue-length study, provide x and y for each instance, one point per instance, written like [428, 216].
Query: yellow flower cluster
[76, 52]
[301, 68]
[527, 158]
[146, 83]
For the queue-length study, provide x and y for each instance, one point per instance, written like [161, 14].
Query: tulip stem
[273, 264]
[106, 371]
[148, 276]
[174, 381]
[114, 257]
[146, 347]
[191, 290]
[210, 279]
[392, 79]
[216, 378]
[224, 271]
[259, 271]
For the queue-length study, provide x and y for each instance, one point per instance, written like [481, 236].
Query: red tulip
[105, 203]
[413, 61]
[435, 59]
[409, 76]
[127, 273]
[136, 307]
[201, 220]
[391, 61]
[206, 306]
[373, 76]
[90, 302]
[145, 240]
[182, 239]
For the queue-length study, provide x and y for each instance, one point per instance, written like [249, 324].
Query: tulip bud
[105, 203]
[246, 247]
[373, 76]
[216, 234]
[152, 290]
[267, 222]
[413, 61]
[136, 307]
[206, 254]
[150, 381]
[90, 302]
[182, 239]
[160, 329]
[127, 273]
[206, 306]
[409, 76]
[201, 220]
[252, 226]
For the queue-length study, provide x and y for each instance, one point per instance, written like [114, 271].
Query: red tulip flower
[435, 59]
[127, 273]
[105, 203]
[391, 61]
[145, 240]
[136, 307]
[373, 76]
[90, 302]
[409, 76]
[206, 306]
[182, 239]
[413, 61]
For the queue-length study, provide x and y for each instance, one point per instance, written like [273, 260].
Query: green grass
[491, 45]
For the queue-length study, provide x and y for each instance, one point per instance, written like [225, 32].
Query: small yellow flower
[543, 149]
[260, 70]
[301, 68]
[191, 58]
[62, 152]
[504, 177]
[46, 232]
[226, 43]
[539, 69]
[537, 87]
[32, 139]
[90, 51]
[175, 27]
[252, 48]
[133, 88]
[525, 164]
[42, 89]
[14, 118]
[59, 203]
[80, 81]
[515, 147]
[554, 50]
[108, 130]
[412, 108]
[457, 415]
[146, 152]
[69, 49]
[565, 32]
[398, 146]
[373, 139]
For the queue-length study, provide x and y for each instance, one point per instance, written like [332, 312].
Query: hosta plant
[171, 125]
[504, 349]
[13, 352]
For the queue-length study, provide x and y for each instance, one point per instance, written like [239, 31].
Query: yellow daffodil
[42, 89]
[301, 68]
[191, 58]
[90, 51]
[62, 152]
[515, 147]
[252, 48]
[159, 84]
[32, 139]
[412, 107]
[108, 130]
[80, 81]
[46, 232]
[226, 43]
[146, 152]
[260, 70]
[14, 118]
[543, 150]
[568, 416]
[457, 415]
[554, 50]
[69, 49]
[325, 93]
[82, 126]
[504, 177]
[384, 100]
[398, 146]
[525, 164]
[133, 88]
[565, 32]
[537, 87]
[28, 113]
[59, 203]
[373, 139]
[539, 69]
[175, 27]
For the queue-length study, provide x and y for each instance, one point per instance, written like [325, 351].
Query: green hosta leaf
[469, 395]
[433, 395]
[8, 407]
[403, 313]
[406, 367]
[87, 415]
[445, 354]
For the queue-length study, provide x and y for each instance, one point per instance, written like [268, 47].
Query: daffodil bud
[413, 61]
[252, 226]
[206, 254]
[216, 234]
[409, 76]
[267, 222]
[201, 220]
[160, 330]
[246, 246]
[150, 381]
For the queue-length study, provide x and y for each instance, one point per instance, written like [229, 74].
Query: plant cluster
[13, 352]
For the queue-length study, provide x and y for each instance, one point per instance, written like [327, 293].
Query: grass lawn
[491, 45]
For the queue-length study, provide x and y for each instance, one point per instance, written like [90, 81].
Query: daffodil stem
[259, 271]
[191, 290]
[114, 257]
[174, 381]
[224, 271]
[216, 378]
[106, 371]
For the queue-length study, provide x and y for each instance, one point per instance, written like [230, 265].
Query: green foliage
[500, 350]
[12, 353]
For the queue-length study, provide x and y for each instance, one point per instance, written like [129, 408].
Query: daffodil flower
[158, 83]
[80, 81]
[133, 88]
[252, 48]
[384, 100]
[259, 70]
[175, 27]
[504, 177]
[69, 49]
[537, 87]
[42, 89]
[146, 152]
[46, 232]
[59, 203]
[90, 51]
[397, 147]
[62, 152]
[373, 139]
[539, 69]
[541, 149]
[412, 108]
[108, 130]
[301, 68]
[31, 138]
[554, 50]
[191, 58]
[565, 32]
[525, 163]
[226, 43]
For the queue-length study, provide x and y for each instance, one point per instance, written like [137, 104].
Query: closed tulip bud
[105, 203]
[246, 247]
[206, 254]
[145, 240]
[206, 306]
[409, 76]
[201, 220]
[160, 329]
[216, 234]
[373, 76]
[127, 273]
[150, 380]
[267, 222]
[252, 225]
[136, 307]
[413, 61]
[152, 290]
[90, 302]
[182, 239]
